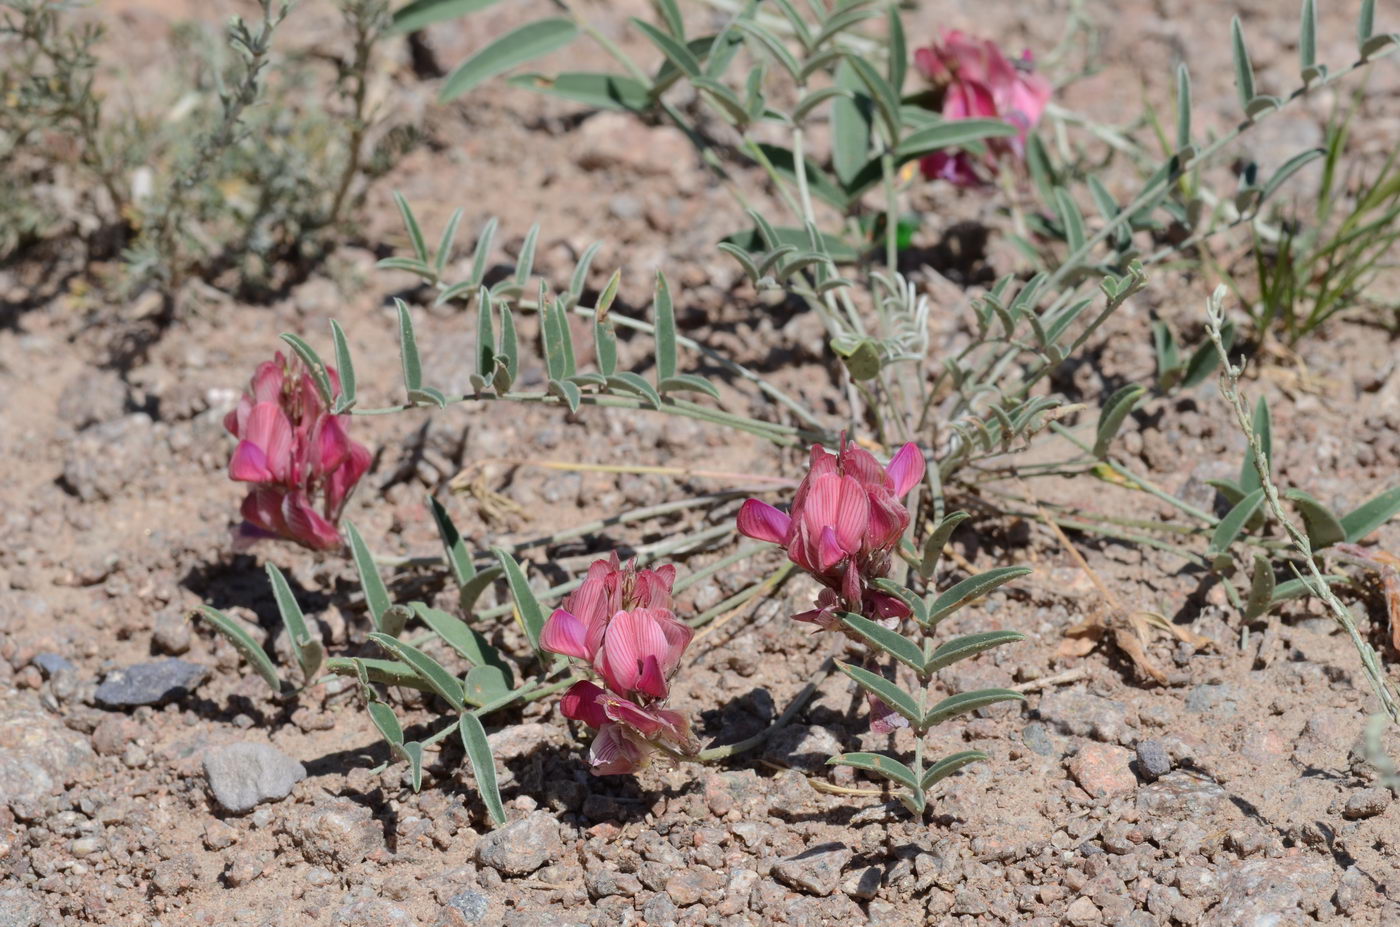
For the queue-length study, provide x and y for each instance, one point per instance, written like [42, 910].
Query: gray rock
[336, 834]
[244, 775]
[37, 751]
[172, 633]
[103, 460]
[22, 780]
[816, 871]
[1036, 736]
[1085, 715]
[1152, 760]
[1219, 701]
[522, 846]
[804, 747]
[1178, 795]
[1366, 803]
[51, 663]
[149, 683]
[1287, 890]
[20, 908]
[468, 907]
[372, 912]
[659, 911]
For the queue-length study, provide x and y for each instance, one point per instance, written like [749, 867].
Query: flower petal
[652, 682]
[269, 428]
[565, 633]
[631, 638]
[829, 550]
[906, 468]
[581, 703]
[249, 464]
[615, 754]
[852, 514]
[306, 526]
[762, 522]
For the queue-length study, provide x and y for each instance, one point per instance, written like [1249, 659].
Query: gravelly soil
[1233, 794]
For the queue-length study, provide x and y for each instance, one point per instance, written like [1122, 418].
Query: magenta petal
[581, 703]
[631, 638]
[883, 718]
[762, 522]
[565, 633]
[615, 754]
[852, 514]
[269, 428]
[249, 464]
[906, 468]
[306, 526]
[829, 551]
[652, 682]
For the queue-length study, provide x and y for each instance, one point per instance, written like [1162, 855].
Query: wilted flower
[620, 623]
[845, 522]
[299, 456]
[978, 81]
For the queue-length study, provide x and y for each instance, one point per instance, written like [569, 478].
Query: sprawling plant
[870, 532]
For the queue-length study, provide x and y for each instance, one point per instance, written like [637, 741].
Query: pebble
[522, 846]
[1102, 770]
[804, 747]
[468, 907]
[1152, 760]
[372, 912]
[337, 834]
[172, 633]
[816, 871]
[246, 774]
[1083, 912]
[21, 908]
[1083, 714]
[219, 836]
[1366, 803]
[52, 663]
[1286, 890]
[149, 683]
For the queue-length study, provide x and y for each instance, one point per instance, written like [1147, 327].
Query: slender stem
[796, 705]
[799, 159]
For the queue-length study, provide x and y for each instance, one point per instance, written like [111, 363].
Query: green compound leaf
[850, 125]
[1261, 589]
[515, 48]
[598, 90]
[883, 689]
[468, 642]
[345, 368]
[387, 722]
[408, 349]
[886, 639]
[376, 595]
[971, 588]
[412, 753]
[310, 652]
[384, 672]
[487, 685]
[1263, 427]
[665, 330]
[1233, 523]
[1369, 516]
[1111, 419]
[964, 702]
[1323, 528]
[458, 559]
[422, 13]
[429, 670]
[314, 365]
[242, 642]
[1183, 107]
[933, 547]
[415, 233]
[678, 53]
[960, 648]
[1244, 70]
[949, 765]
[527, 607]
[478, 751]
[1070, 218]
[886, 766]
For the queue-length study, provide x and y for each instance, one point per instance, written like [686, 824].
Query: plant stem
[796, 705]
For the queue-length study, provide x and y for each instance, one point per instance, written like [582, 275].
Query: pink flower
[979, 81]
[845, 522]
[299, 456]
[620, 623]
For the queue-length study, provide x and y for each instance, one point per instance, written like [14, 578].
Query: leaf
[953, 133]
[595, 89]
[527, 607]
[850, 125]
[1233, 523]
[886, 639]
[904, 594]
[1205, 358]
[415, 234]
[1183, 107]
[314, 365]
[1307, 36]
[1296, 588]
[1070, 218]
[1370, 515]
[1263, 429]
[839, 23]
[1366, 22]
[672, 14]
[933, 547]
[964, 702]
[968, 645]
[478, 584]
[449, 236]
[1115, 410]
[345, 369]
[376, 595]
[1261, 589]
[487, 685]
[310, 651]
[243, 642]
[972, 588]
[949, 765]
[878, 763]
[421, 13]
[753, 242]
[898, 50]
[455, 549]
[773, 45]
[478, 751]
[387, 722]
[485, 337]
[676, 52]
[482, 252]
[883, 689]
[630, 382]
[515, 48]
[429, 670]
[579, 279]
[412, 752]
[408, 349]
[1244, 71]
[687, 382]
[1290, 167]
[1322, 526]
[463, 639]
[525, 263]
[396, 618]
[568, 392]
[665, 330]
[507, 351]
[384, 672]
[886, 100]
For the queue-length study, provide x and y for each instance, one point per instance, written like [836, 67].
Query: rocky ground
[146, 778]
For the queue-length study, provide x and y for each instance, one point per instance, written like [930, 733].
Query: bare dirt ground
[1234, 794]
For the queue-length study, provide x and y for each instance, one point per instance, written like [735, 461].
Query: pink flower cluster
[295, 453]
[845, 523]
[620, 623]
[979, 81]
